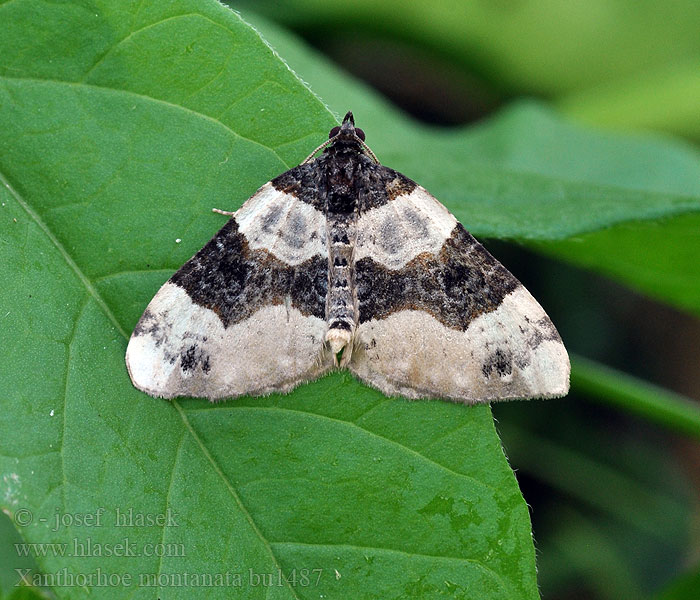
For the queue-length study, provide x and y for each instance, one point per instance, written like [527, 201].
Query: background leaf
[662, 100]
[11, 559]
[683, 589]
[531, 46]
[659, 257]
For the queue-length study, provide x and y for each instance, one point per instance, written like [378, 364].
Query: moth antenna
[321, 147]
[368, 150]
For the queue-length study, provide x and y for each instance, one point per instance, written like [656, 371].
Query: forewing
[438, 315]
[245, 315]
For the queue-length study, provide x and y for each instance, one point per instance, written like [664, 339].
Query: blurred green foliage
[618, 63]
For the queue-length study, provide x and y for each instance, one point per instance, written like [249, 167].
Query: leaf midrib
[369, 432]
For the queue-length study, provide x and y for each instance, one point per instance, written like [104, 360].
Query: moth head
[345, 137]
[347, 129]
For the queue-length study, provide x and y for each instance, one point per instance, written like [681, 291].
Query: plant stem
[633, 395]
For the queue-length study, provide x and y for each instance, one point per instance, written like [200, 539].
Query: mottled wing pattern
[343, 262]
[438, 316]
[245, 315]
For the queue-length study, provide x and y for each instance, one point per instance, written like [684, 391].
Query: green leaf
[664, 100]
[12, 559]
[635, 396]
[121, 125]
[658, 257]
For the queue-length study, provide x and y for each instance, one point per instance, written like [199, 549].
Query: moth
[342, 262]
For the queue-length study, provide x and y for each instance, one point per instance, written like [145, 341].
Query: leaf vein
[66, 373]
[241, 98]
[141, 29]
[134, 272]
[367, 431]
[64, 253]
[229, 487]
[167, 502]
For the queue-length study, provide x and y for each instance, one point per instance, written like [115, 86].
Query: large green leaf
[121, 125]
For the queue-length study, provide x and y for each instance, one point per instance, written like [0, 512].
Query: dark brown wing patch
[455, 286]
[232, 280]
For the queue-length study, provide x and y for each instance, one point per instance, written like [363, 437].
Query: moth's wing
[245, 315]
[438, 315]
